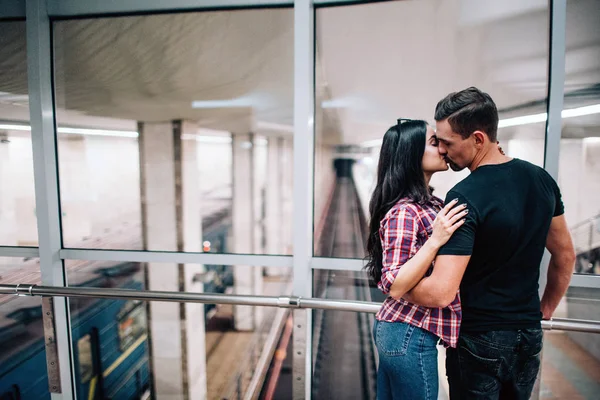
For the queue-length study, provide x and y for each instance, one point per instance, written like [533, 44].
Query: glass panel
[165, 136]
[571, 360]
[18, 223]
[405, 66]
[579, 166]
[344, 353]
[139, 348]
[23, 373]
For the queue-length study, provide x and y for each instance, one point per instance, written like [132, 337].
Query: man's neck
[490, 156]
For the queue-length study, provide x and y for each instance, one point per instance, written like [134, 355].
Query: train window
[132, 323]
[86, 363]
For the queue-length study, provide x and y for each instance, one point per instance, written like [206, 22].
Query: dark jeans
[494, 365]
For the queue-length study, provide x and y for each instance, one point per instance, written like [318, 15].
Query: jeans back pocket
[392, 338]
[480, 366]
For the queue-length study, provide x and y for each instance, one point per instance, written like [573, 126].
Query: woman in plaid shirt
[408, 226]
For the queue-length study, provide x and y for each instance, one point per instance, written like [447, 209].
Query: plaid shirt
[403, 231]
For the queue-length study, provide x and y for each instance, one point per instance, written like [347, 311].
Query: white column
[192, 233]
[247, 280]
[172, 222]
[286, 183]
[275, 241]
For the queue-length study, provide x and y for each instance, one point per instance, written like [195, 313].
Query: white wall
[100, 186]
[18, 224]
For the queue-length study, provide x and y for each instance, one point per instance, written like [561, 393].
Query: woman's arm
[411, 272]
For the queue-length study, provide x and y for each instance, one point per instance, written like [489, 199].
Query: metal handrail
[585, 221]
[564, 324]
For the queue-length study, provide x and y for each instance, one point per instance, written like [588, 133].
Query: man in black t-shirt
[515, 211]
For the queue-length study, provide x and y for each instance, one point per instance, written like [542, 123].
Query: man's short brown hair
[468, 111]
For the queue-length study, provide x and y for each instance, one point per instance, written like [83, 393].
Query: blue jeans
[494, 365]
[407, 361]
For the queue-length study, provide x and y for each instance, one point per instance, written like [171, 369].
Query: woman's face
[432, 160]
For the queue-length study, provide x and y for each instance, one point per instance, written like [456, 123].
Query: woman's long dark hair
[399, 175]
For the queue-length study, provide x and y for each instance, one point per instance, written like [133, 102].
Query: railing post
[304, 84]
[45, 169]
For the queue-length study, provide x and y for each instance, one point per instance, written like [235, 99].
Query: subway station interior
[229, 149]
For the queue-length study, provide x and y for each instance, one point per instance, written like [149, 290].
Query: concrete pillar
[274, 201]
[172, 222]
[260, 186]
[247, 280]
[287, 185]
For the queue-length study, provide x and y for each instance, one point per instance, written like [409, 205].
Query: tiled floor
[568, 371]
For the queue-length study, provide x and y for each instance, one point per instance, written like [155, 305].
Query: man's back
[511, 207]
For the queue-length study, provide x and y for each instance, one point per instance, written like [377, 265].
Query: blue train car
[109, 338]
[22, 355]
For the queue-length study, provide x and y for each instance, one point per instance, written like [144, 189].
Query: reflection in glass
[579, 164]
[405, 68]
[132, 324]
[86, 366]
[18, 223]
[23, 373]
[123, 370]
[140, 348]
[164, 138]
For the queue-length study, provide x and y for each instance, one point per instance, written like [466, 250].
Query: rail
[564, 324]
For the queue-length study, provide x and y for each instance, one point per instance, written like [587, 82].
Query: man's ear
[480, 138]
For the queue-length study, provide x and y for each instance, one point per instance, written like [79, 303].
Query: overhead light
[76, 131]
[241, 102]
[578, 112]
[98, 132]
[526, 119]
[15, 127]
[531, 119]
[207, 139]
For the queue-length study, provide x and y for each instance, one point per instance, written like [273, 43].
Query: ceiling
[375, 62]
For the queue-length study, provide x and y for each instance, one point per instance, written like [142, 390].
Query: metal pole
[45, 167]
[556, 86]
[304, 83]
[564, 324]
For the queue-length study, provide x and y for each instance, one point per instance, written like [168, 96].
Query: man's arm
[560, 269]
[439, 289]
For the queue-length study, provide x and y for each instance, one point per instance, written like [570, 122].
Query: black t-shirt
[511, 206]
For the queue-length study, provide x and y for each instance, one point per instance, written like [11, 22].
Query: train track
[344, 363]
